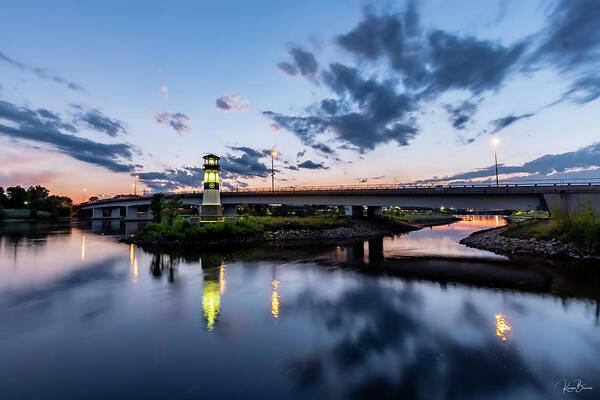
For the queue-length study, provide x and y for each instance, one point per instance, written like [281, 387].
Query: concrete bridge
[570, 197]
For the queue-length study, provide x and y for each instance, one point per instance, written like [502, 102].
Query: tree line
[37, 199]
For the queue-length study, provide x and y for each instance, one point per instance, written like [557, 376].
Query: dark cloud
[97, 121]
[569, 43]
[369, 111]
[173, 179]
[42, 73]
[501, 123]
[300, 154]
[45, 127]
[287, 68]
[461, 115]
[469, 63]
[232, 102]
[177, 121]
[545, 166]
[243, 165]
[304, 61]
[246, 165]
[292, 167]
[308, 164]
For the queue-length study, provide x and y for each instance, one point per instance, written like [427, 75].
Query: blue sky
[414, 91]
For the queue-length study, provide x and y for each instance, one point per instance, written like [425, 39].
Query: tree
[157, 204]
[37, 197]
[3, 198]
[17, 196]
[171, 209]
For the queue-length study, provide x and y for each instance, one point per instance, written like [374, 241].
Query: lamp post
[135, 184]
[83, 195]
[495, 142]
[273, 154]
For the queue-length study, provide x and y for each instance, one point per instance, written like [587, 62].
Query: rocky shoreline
[492, 240]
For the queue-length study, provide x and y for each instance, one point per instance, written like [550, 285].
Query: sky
[346, 92]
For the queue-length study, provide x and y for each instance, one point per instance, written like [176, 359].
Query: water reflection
[82, 247]
[356, 323]
[275, 299]
[502, 327]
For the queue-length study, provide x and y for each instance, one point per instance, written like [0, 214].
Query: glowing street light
[83, 195]
[495, 142]
[273, 154]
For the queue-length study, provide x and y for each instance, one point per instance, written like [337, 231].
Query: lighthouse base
[213, 212]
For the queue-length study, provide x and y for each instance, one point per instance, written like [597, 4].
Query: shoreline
[359, 228]
[492, 240]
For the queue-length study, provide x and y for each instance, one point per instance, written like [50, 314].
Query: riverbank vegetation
[33, 203]
[581, 228]
[243, 228]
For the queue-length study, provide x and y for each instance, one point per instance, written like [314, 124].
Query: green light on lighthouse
[211, 198]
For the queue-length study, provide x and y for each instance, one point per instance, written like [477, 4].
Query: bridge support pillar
[355, 211]
[374, 211]
[97, 212]
[230, 210]
[572, 202]
[131, 212]
[115, 212]
[376, 250]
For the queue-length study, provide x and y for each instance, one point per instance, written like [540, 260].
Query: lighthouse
[211, 198]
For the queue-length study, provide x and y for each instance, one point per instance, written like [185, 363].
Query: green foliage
[531, 213]
[3, 198]
[157, 204]
[17, 196]
[245, 227]
[18, 213]
[172, 208]
[581, 228]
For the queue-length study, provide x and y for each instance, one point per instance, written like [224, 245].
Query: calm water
[410, 316]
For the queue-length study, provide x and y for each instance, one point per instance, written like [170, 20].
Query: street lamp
[83, 195]
[273, 154]
[135, 184]
[495, 142]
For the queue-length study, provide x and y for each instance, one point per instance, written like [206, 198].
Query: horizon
[346, 93]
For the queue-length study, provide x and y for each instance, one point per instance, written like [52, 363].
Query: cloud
[300, 154]
[305, 62]
[45, 127]
[172, 179]
[308, 164]
[545, 166]
[369, 110]
[177, 121]
[232, 102]
[164, 92]
[287, 68]
[381, 113]
[97, 121]
[501, 123]
[244, 164]
[461, 115]
[569, 43]
[42, 73]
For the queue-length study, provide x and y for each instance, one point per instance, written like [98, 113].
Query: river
[416, 315]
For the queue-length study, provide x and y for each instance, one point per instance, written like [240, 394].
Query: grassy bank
[23, 213]
[245, 227]
[582, 229]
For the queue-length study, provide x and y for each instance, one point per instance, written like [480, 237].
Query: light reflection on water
[94, 318]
